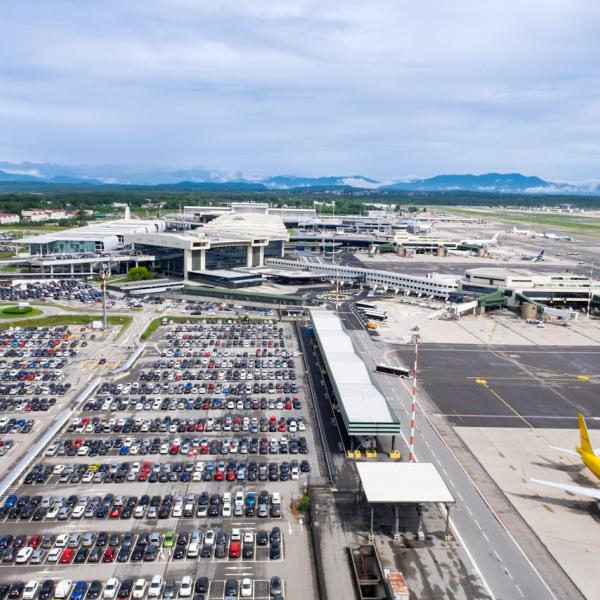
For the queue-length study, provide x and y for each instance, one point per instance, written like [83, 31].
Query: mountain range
[202, 178]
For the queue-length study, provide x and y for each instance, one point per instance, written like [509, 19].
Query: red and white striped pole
[413, 411]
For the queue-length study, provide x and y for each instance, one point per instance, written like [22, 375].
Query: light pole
[413, 411]
[589, 302]
[104, 276]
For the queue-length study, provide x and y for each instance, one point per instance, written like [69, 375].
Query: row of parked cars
[104, 403]
[51, 289]
[33, 363]
[121, 472]
[112, 506]
[107, 547]
[136, 589]
[34, 388]
[13, 425]
[35, 404]
[167, 424]
[186, 446]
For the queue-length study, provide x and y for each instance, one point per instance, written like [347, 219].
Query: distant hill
[489, 182]
[200, 178]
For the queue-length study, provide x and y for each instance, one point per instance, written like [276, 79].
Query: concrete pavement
[505, 570]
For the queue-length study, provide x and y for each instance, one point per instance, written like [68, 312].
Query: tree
[139, 274]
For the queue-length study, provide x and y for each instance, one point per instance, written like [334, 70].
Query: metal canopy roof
[402, 483]
[363, 407]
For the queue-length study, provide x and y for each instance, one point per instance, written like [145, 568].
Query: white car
[30, 590]
[226, 511]
[78, 511]
[248, 537]
[54, 555]
[193, 550]
[111, 589]
[62, 540]
[246, 588]
[239, 498]
[139, 588]
[23, 555]
[62, 589]
[155, 588]
[209, 537]
[186, 587]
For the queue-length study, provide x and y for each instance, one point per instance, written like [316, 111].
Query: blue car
[79, 590]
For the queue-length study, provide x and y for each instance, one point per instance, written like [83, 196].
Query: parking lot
[185, 466]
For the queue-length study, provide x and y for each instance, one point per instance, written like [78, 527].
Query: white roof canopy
[402, 483]
[364, 408]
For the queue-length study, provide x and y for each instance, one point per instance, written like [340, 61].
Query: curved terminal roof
[363, 407]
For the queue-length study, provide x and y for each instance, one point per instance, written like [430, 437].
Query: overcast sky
[386, 89]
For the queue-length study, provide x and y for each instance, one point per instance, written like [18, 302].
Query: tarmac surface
[510, 386]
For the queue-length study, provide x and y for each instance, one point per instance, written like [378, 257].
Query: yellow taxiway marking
[484, 383]
[583, 377]
[116, 363]
[93, 364]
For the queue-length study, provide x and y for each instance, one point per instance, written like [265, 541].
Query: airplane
[419, 227]
[533, 258]
[481, 242]
[590, 458]
[527, 232]
[559, 238]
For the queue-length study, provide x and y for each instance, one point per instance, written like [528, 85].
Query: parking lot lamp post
[413, 410]
[104, 277]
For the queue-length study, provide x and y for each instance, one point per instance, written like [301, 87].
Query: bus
[389, 370]
[375, 315]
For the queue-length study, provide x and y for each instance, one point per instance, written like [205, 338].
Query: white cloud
[384, 88]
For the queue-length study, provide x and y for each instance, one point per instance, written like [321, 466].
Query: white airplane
[419, 227]
[533, 257]
[480, 243]
[526, 232]
[560, 238]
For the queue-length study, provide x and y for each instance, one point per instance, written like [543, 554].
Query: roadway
[504, 569]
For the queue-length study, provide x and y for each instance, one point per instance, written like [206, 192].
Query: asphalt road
[501, 564]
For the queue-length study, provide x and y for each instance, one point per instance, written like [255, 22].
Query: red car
[234, 549]
[109, 555]
[115, 513]
[230, 475]
[67, 556]
[34, 541]
[219, 476]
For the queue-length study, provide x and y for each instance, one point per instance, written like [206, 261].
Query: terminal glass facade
[274, 249]
[168, 261]
[226, 257]
[67, 247]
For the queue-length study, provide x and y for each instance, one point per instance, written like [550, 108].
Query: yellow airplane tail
[586, 445]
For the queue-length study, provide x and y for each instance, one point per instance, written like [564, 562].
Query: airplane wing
[565, 450]
[579, 490]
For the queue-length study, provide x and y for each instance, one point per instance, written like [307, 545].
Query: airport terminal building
[231, 240]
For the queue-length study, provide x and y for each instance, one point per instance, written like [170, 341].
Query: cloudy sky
[387, 89]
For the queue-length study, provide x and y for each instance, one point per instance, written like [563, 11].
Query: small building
[47, 214]
[226, 278]
[565, 287]
[8, 218]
